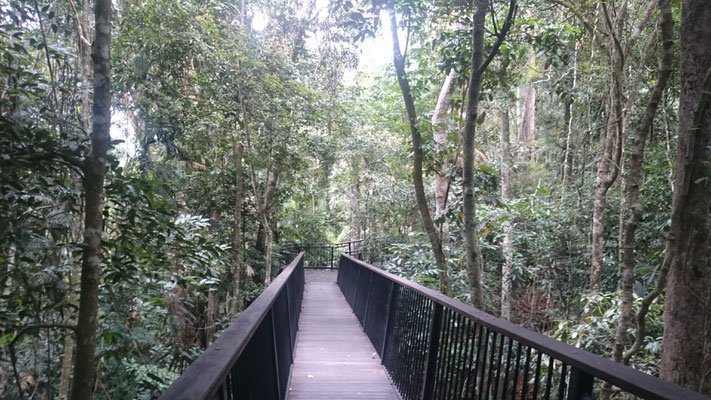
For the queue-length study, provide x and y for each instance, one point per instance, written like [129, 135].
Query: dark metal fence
[435, 347]
[324, 255]
[251, 359]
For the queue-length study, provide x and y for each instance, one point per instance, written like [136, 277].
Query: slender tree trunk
[85, 65]
[441, 129]
[475, 261]
[607, 167]
[399, 63]
[507, 245]
[568, 158]
[354, 197]
[686, 355]
[237, 253]
[527, 126]
[94, 172]
[632, 180]
[268, 202]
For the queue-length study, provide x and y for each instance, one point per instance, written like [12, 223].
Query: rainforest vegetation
[547, 161]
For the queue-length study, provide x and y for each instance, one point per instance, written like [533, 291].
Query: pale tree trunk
[441, 129]
[420, 197]
[507, 245]
[527, 126]
[607, 165]
[94, 173]
[568, 158]
[686, 355]
[354, 197]
[632, 180]
[268, 203]
[237, 252]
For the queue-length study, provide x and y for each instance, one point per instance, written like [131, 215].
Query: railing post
[280, 394]
[367, 303]
[431, 365]
[333, 249]
[288, 320]
[389, 320]
[580, 386]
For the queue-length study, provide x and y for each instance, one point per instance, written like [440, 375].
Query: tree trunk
[85, 65]
[527, 126]
[237, 253]
[399, 63]
[354, 197]
[475, 261]
[441, 178]
[686, 356]
[632, 207]
[607, 166]
[507, 245]
[268, 203]
[568, 158]
[94, 172]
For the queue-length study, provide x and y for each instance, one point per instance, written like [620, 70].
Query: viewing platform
[349, 330]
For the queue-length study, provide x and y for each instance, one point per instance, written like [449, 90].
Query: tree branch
[510, 17]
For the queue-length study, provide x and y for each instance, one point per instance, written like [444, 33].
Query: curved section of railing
[252, 358]
[435, 347]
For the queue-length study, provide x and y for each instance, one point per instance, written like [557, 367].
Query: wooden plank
[333, 358]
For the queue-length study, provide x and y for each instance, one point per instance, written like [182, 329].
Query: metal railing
[435, 347]
[252, 358]
[324, 255]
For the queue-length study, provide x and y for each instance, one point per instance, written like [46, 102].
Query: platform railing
[324, 255]
[252, 358]
[435, 347]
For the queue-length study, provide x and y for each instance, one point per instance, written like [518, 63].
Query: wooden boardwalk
[333, 358]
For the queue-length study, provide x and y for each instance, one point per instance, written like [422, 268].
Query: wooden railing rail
[435, 347]
[252, 358]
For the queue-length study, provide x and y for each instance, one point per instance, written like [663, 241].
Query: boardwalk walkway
[333, 358]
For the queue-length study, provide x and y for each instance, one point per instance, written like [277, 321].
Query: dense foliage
[241, 126]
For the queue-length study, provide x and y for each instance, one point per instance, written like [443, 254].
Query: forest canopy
[547, 162]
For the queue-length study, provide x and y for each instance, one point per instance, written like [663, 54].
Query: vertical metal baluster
[466, 327]
[473, 361]
[422, 340]
[411, 350]
[509, 354]
[561, 387]
[537, 376]
[280, 393]
[451, 362]
[525, 373]
[498, 366]
[411, 321]
[481, 362]
[580, 386]
[442, 353]
[405, 350]
[491, 366]
[516, 369]
[549, 380]
[467, 359]
[432, 351]
[392, 304]
[367, 302]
